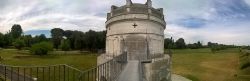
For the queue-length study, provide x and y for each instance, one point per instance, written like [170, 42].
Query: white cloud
[236, 34]
[91, 14]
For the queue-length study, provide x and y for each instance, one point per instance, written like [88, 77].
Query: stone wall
[158, 70]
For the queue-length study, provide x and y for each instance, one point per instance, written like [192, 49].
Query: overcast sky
[222, 21]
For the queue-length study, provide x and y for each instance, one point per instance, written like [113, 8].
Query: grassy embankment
[77, 59]
[203, 65]
[80, 60]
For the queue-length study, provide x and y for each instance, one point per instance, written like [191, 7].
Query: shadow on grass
[36, 56]
[191, 77]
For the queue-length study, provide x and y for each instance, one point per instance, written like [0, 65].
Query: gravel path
[179, 78]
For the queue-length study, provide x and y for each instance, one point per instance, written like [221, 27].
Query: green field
[80, 60]
[195, 64]
[203, 65]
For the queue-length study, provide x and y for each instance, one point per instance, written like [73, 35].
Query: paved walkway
[130, 72]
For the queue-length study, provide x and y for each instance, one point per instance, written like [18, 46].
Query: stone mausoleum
[138, 30]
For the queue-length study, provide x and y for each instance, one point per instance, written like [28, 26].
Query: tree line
[60, 40]
[180, 44]
[66, 40]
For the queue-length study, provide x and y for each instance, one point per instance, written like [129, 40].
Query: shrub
[193, 46]
[245, 65]
[18, 44]
[41, 48]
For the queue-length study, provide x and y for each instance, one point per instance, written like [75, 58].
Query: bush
[244, 59]
[41, 48]
[215, 48]
[18, 44]
[245, 65]
[192, 46]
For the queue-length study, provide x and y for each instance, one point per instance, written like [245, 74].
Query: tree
[168, 43]
[199, 44]
[7, 39]
[180, 43]
[93, 36]
[65, 45]
[1, 40]
[193, 46]
[68, 33]
[42, 37]
[209, 44]
[77, 40]
[39, 38]
[27, 40]
[19, 44]
[16, 31]
[41, 48]
[101, 39]
[57, 36]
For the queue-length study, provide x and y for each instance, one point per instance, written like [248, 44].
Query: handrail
[140, 69]
[107, 71]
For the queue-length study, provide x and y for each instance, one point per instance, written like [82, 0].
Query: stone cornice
[135, 33]
[135, 17]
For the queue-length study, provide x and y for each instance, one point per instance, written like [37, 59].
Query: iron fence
[63, 72]
[39, 73]
[107, 71]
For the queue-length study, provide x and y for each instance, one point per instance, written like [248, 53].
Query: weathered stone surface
[159, 69]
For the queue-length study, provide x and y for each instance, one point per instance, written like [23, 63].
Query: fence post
[63, 72]
[37, 69]
[11, 73]
[68, 73]
[43, 74]
[5, 73]
[73, 73]
[31, 72]
[49, 73]
[18, 73]
[24, 73]
[59, 73]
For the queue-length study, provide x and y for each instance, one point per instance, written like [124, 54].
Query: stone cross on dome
[135, 25]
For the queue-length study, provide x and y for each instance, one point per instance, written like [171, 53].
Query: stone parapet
[158, 70]
[135, 8]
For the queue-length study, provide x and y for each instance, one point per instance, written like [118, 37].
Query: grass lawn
[76, 59]
[203, 65]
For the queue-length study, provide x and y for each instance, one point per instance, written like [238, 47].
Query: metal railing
[60, 72]
[107, 71]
